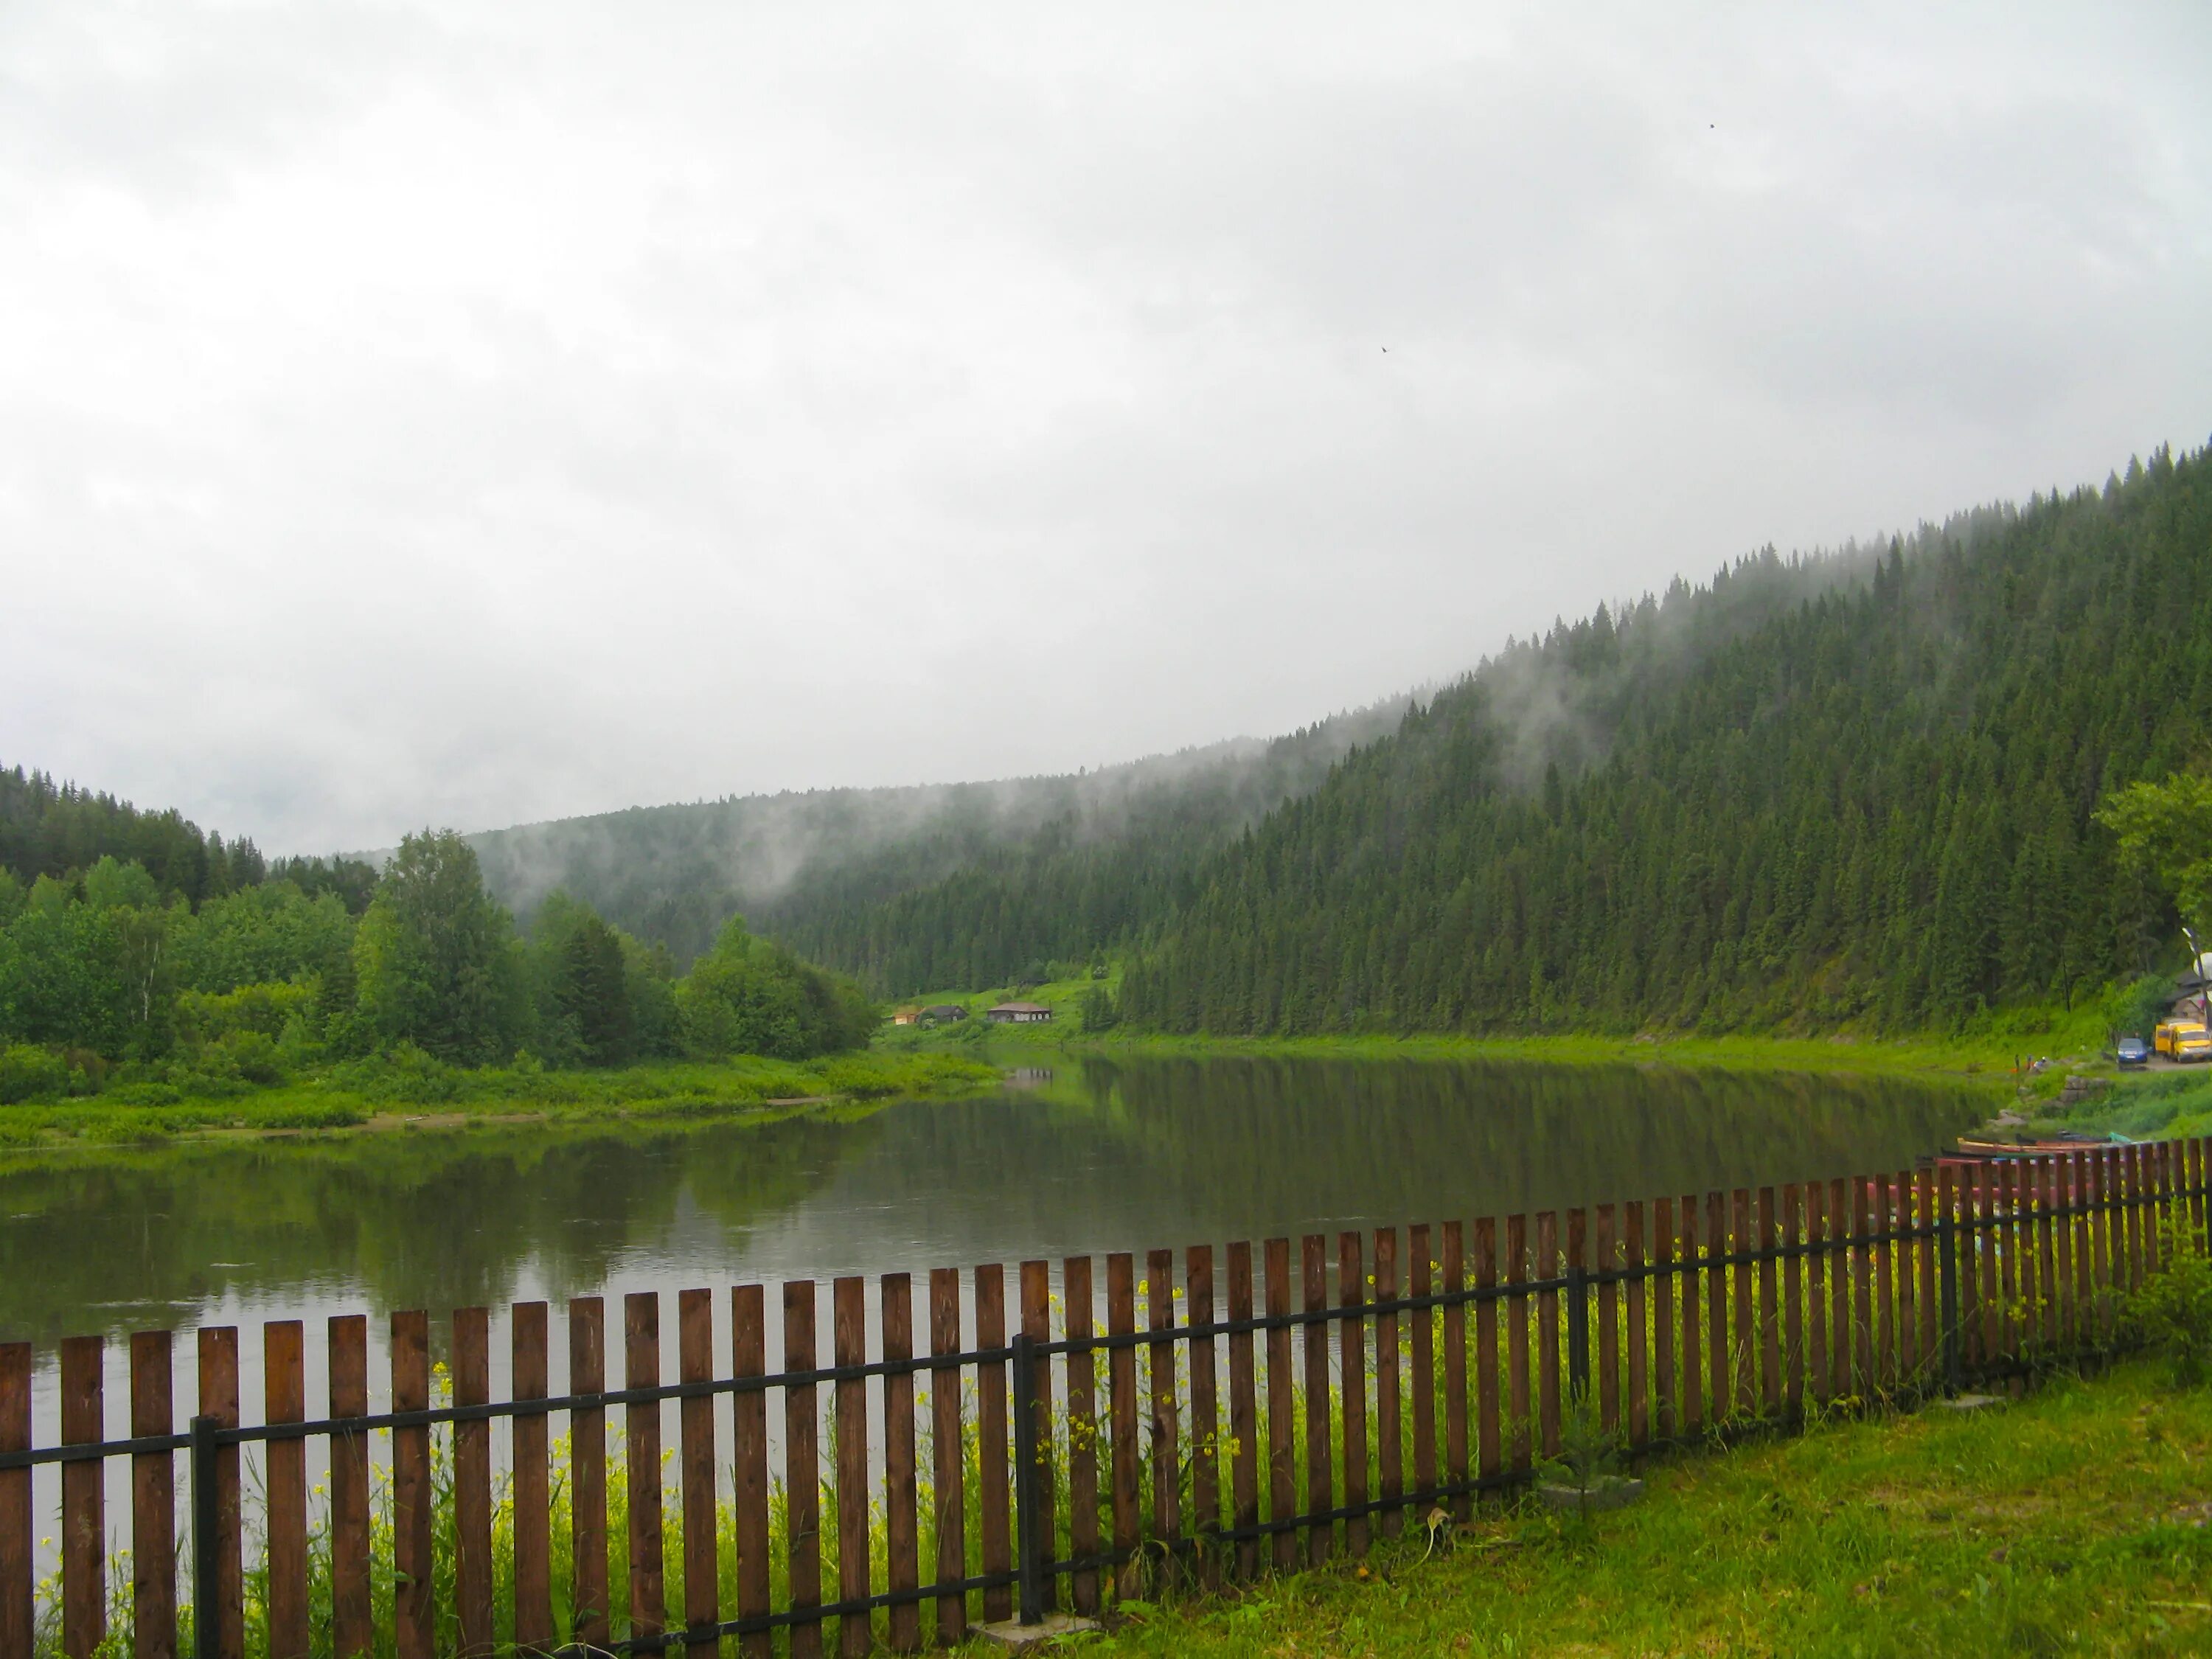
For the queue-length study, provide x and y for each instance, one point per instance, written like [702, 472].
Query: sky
[466, 414]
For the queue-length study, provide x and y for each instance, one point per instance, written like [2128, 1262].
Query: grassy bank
[2075, 1522]
[389, 1094]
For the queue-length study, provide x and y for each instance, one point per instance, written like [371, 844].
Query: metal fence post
[1947, 1265]
[1577, 1334]
[1029, 1525]
[207, 1581]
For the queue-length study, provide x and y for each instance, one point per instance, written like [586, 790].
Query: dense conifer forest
[1839, 790]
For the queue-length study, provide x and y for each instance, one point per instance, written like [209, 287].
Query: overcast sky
[470, 414]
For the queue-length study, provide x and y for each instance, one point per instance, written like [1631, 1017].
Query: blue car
[2131, 1052]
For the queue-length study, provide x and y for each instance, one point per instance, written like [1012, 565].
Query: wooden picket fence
[1671, 1320]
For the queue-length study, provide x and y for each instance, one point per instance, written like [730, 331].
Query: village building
[942, 1013]
[1018, 1013]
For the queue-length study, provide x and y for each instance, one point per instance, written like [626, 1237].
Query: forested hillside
[969, 882]
[1870, 804]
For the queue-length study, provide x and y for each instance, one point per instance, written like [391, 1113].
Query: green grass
[384, 1094]
[2075, 1521]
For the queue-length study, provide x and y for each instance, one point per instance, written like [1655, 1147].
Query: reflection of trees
[435, 1220]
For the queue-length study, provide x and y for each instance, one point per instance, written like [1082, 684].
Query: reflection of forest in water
[1111, 1155]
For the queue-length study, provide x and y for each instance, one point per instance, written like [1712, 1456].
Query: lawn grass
[372, 1096]
[2073, 1522]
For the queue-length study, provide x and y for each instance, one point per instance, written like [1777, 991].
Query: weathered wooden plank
[694, 1427]
[1986, 1248]
[1548, 1388]
[588, 1599]
[1665, 1414]
[1282, 1429]
[1930, 1292]
[1720, 1378]
[352, 1630]
[1205, 1410]
[2097, 1221]
[1321, 1487]
[1122, 1390]
[1083, 1429]
[1351, 1387]
[84, 1511]
[802, 1468]
[1516, 1306]
[749, 1461]
[1866, 1376]
[472, 1569]
[848, 1339]
[1455, 1340]
[1389, 1449]
[414, 1604]
[2007, 1235]
[2046, 1248]
[18, 1615]
[532, 1376]
[1244, 1413]
[1488, 1450]
[1770, 1325]
[153, 1503]
[1885, 1288]
[284, 1484]
[1793, 1301]
[648, 1606]
[1609, 1321]
[2058, 1194]
[1908, 1322]
[1421, 1330]
[1839, 1289]
[1036, 1324]
[1639, 1377]
[1746, 1351]
[1166, 1440]
[948, 1446]
[1693, 1348]
[1816, 1292]
[992, 1524]
[901, 1481]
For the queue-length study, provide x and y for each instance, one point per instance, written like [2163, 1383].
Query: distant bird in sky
[1385, 351]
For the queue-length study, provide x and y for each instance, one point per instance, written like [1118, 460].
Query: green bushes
[29, 1073]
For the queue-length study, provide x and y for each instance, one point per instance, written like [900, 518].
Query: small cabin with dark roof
[1018, 1013]
[945, 1012]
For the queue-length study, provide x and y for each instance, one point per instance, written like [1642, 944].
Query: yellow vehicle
[2183, 1041]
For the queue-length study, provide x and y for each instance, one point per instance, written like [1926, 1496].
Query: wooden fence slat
[1455, 1339]
[1770, 1329]
[1351, 1387]
[2132, 1160]
[1885, 1288]
[414, 1605]
[1122, 1411]
[1818, 1374]
[749, 1461]
[1720, 1379]
[1608, 1323]
[1313, 1262]
[2058, 1192]
[1745, 1353]
[1793, 1301]
[533, 1478]
[1665, 1414]
[1282, 1456]
[2011, 1287]
[1389, 1448]
[991, 1438]
[901, 1482]
[1693, 1350]
[1243, 1414]
[2200, 1170]
[2027, 1235]
[588, 1604]
[1421, 1331]
[218, 1399]
[1839, 1289]
[649, 1606]
[153, 1502]
[948, 1450]
[1205, 1411]
[2098, 1253]
[84, 1511]
[2046, 1246]
[16, 1612]
[848, 1339]
[1931, 1291]
[1083, 1423]
[285, 1486]
[695, 1430]
[1639, 1380]
[1164, 1442]
[1488, 1450]
[351, 1629]
[1517, 1342]
[1036, 1325]
[1865, 1376]
[1908, 1324]
[802, 1469]
[1548, 1390]
[1992, 1293]
[473, 1588]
